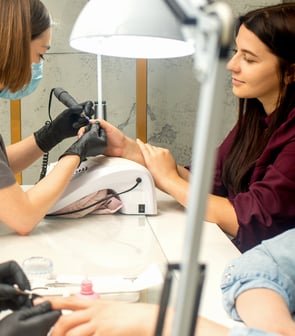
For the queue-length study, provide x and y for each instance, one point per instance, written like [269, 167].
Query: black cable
[138, 181]
[44, 164]
[49, 105]
[45, 158]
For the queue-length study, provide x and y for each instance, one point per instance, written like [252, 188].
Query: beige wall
[172, 89]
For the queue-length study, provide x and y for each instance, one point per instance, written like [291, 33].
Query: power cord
[138, 181]
[45, 158]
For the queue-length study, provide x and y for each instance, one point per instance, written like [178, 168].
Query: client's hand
[161, 164]
[119, 144]
[104, 318]
[116, 139]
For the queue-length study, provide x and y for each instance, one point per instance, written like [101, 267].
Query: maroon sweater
[267, 208]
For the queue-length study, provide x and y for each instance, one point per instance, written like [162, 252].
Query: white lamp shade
[129, 28]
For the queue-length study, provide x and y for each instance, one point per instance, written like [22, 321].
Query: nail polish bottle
[87, 291]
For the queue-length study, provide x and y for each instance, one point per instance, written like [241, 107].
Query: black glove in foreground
[65, 125]
[34, 321]
[92, 143]
[11, 274]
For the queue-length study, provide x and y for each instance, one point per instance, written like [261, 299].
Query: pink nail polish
[87, 291]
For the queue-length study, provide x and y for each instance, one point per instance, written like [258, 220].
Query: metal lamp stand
[213, 37]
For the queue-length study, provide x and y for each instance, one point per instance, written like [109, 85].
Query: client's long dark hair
[275, 27]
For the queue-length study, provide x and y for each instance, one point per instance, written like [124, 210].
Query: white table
[124, 246]
[216, 251]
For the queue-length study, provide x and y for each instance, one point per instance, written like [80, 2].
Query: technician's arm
[22, 211]
[65, 125]
[22, 154]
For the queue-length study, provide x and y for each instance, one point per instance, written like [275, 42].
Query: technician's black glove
[10, 274]
[92, 143]
[34, 321]
[65, 125]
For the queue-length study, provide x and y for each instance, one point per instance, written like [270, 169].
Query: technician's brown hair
[275, 27]
[21, 21]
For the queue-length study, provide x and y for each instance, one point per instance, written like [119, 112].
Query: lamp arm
[213, 39]
[183, 11]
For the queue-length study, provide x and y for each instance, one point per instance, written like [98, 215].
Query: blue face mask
[37, 74]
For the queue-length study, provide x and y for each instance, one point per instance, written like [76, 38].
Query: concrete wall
[172, 90]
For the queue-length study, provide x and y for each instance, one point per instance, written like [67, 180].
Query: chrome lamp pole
[213, 37]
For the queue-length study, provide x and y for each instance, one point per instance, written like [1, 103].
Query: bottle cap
[87, 287]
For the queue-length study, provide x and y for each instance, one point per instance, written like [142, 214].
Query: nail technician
[25, 36]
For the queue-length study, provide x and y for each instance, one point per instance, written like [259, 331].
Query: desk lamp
[129, 28]
[141, 29]
[148, 29]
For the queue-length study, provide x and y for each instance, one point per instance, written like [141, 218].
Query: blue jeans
[269, 265]
[238, 331]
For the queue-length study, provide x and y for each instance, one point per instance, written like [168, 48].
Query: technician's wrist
[46, 138]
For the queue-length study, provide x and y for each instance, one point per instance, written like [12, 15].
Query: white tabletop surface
[216, 251]
[124, 246]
